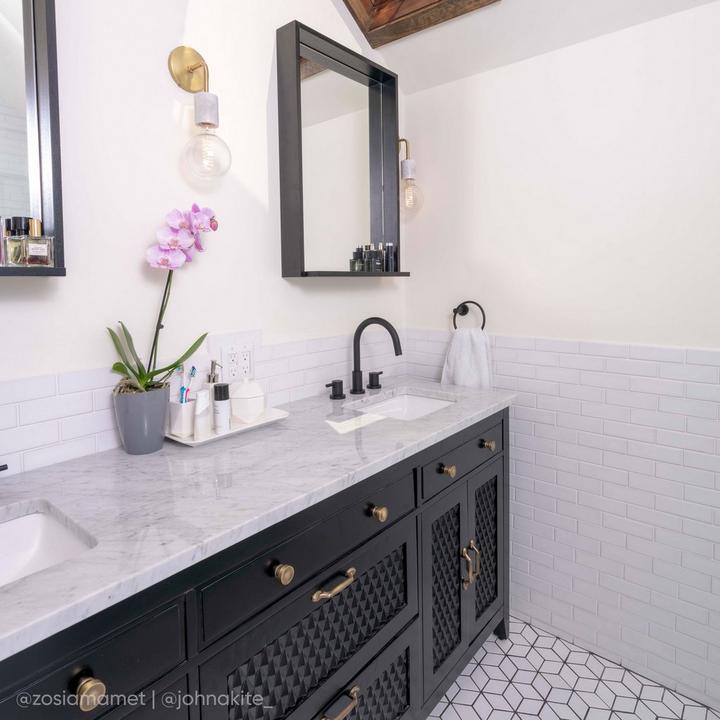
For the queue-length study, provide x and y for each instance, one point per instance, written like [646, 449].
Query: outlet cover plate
[235, 352]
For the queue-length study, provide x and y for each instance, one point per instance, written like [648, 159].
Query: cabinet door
[486, 512]
[285, 666]
[444, 535]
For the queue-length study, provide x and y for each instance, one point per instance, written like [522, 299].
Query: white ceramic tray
[270, 415]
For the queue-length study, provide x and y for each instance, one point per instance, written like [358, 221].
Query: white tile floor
[534, 674]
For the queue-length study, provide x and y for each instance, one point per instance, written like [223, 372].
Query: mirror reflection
[336, 166]
[14, 181]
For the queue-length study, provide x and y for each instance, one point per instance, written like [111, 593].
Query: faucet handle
[337, 390]
[374, 383]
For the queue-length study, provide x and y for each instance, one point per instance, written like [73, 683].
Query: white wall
[575, 194]
[123, 126]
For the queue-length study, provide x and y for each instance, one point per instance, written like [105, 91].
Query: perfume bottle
[5, 233]
[38, 247]
[15, 242]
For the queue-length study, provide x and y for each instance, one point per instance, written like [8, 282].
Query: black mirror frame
[41, 93]
[292, 40]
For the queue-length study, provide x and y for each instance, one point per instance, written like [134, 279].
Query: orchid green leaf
[188, 353]
[133, 373]
[120, 369]
[131, 347]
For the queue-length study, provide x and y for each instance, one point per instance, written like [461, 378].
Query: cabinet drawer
[438, 474]
[235, 597]
[290, 656]
[386, 689]
[168, 703]
[135, 656]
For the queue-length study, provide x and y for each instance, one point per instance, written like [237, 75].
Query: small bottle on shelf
[15, 253]
[379, 264]
[390, 259]
[38, 247]
[368, 259]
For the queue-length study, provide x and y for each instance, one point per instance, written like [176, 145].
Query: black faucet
[357, 376]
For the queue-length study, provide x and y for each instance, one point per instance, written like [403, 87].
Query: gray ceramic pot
[141, 419]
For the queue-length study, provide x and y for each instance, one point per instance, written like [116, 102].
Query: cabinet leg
[503, 628]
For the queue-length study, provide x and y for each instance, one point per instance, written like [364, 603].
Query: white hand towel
[468, 361]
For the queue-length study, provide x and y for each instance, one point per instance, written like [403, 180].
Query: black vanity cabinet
[365, 606]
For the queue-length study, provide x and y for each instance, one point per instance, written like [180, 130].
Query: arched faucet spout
[357, 376]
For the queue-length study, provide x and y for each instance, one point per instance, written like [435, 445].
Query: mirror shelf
[340, 273]
[32, 272]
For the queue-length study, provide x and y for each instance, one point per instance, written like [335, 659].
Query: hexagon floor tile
[533, 674]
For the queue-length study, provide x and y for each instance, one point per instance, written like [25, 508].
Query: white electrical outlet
[246, 363]
[235, 353]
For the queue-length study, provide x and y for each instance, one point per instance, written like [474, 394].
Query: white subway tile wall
[50, 419]
[615, 488]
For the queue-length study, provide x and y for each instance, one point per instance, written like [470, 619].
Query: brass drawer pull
[90, 692]
[284, 573]
[488, 445]
[449, 470]
[380, 513]
[350, 578]
[354, 695]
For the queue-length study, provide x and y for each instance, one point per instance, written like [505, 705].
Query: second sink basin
[405, 406]
[35, 536]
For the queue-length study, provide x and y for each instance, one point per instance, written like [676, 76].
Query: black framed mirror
[30, 177]
[338, 144]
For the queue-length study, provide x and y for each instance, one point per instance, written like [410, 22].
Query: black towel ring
[462, 309]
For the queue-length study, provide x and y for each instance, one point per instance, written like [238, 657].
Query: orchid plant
[177, 240]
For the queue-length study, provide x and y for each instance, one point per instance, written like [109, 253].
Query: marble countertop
[155, 515]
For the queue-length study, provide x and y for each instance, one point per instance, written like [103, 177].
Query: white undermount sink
[35, 536]
[405, 406]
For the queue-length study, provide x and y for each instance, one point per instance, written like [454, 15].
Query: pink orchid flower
[178, 220]
[180, 236]
[201, 220]
[165, 259]
[170, 238]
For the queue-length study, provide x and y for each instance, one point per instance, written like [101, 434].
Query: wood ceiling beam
[383, 21]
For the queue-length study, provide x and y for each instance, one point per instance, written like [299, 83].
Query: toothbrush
[193, 373]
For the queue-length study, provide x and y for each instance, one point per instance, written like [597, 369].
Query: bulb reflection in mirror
[207, 155]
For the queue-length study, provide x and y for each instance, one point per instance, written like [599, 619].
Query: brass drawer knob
[449, 470]
[488, 445]
[380, 513]
[284, 573]
[90, 692]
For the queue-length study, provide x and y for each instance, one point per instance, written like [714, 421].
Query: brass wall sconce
[206, 154]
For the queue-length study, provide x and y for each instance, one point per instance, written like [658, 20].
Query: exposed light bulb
[411, 196]
[207, 155]
[410, 193]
